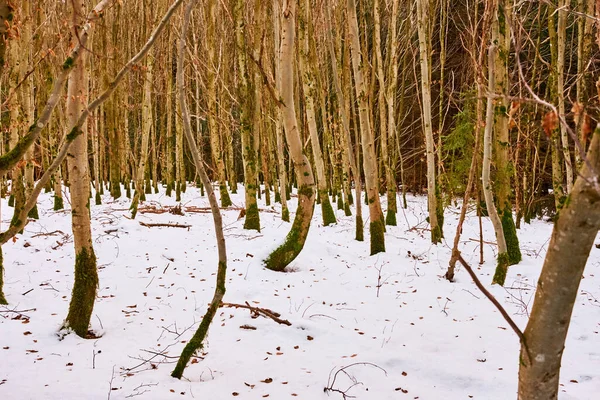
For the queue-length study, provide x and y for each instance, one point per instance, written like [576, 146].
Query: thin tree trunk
[376, 227]
[502, 184]
[307, 62]
[424, 57]
[197, 340]
[502, 266]
[285, 213]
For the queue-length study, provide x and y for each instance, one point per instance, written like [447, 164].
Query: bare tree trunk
[376, 227]
[346, 137]
[247, 110]
[294, 242]
[196, 342]
[572, 239]
[560, 73]
[307, 63]
[147, 131]
[502, 184]
[502, 266]
[424, 57]
[285, 213]
[216, 145]
[86, 274]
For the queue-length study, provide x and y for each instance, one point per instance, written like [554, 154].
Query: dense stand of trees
[491, 101]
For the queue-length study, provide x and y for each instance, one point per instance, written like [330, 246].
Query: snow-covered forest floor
[401, 330]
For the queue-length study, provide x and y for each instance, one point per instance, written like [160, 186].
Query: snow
[399, 327]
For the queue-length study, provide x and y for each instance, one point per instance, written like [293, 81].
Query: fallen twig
[152, 225]
[265, 312]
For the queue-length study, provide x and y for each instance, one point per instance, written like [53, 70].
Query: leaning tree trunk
[294, 242]
[196, 343]
[376, 227]
[424, 57]
[86, 273]
[572, 239]
[307, 63]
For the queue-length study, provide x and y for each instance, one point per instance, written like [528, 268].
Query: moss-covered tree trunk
[247, 119]
[573, 236]
[307, 62]
[502, 266]
[86, 274]
[294, 242]
[196, 343]
[376, 227]
[504, 167]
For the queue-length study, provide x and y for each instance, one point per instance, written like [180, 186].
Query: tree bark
[572, 239]
[196, 342]
[307, 63]
[294, 242]
[376, 227]
[424, 57]
[86, 273]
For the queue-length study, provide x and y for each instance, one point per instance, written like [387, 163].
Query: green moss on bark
[327, 209]
[11, 200]
[84, 292]
[347, 210]
[33, 213]
[196, 343]
[360, 229]
[277, 197]
[2, 298]
[390, 218]
[252, 220]
[183, 186]
[510, 235]
[294, 241]
[178, 191]
[376, 229]
[225, 199]
[501, 269]
[98, 198]
[169, 189]
[340, 202]
[59, 203]
[285, 215]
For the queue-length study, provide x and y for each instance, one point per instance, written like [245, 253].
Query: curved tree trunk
[196, 342]
[294, 242]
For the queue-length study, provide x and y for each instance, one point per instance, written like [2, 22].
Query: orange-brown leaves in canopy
[550, 123]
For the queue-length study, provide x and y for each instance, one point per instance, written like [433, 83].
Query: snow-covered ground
[400, 329]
